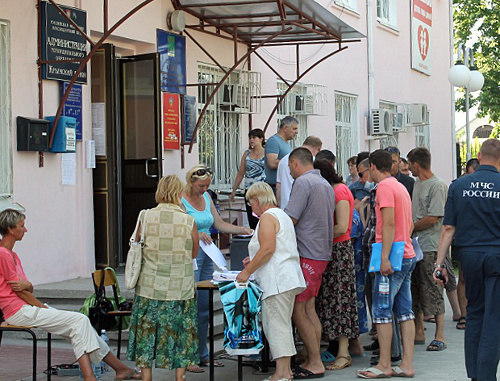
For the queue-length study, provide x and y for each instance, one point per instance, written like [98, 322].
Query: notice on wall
[61, 41]
[68, 168]
[421, 33]
[89, 154]
[171, 121]
[190, 115]
[73, 105]
[99, 128]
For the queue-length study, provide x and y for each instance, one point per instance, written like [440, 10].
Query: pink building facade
[79, 217]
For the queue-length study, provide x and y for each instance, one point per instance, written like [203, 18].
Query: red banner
[171, 121]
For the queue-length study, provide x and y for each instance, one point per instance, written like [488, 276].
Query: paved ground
[15, 361]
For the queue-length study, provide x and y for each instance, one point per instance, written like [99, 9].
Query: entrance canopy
[256, 21]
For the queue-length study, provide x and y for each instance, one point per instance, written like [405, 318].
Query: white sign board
[421, 34]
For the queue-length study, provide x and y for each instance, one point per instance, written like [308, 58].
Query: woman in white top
[274, 260]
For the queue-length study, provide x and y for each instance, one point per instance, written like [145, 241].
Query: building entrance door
[126, 129]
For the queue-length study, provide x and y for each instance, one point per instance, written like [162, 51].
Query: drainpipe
[452, 89]
[369, 54]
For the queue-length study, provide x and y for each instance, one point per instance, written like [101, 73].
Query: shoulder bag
[134, 255]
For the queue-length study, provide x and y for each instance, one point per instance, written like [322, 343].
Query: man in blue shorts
[472, 216]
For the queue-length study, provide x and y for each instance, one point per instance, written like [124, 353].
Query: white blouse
[282, 272]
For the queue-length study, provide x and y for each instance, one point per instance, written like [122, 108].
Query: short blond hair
[191, 176]
[169, 190]
[262, 192]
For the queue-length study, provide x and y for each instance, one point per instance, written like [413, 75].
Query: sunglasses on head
[392, 150]
[202, 172]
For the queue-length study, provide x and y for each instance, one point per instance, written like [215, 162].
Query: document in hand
[395, 256]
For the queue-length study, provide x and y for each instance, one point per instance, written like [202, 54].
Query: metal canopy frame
[261, 23]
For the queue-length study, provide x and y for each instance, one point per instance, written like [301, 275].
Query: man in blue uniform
[472, 216]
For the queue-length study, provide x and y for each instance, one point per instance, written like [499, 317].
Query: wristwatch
[436, 266]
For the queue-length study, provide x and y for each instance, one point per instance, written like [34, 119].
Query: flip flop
[430, 320]
[377, 373]
[133, 375]
[300, 373]
[398, 372]
[217, 364]
[326, 356]
[436, 346]
[461, 323]
[195, 369]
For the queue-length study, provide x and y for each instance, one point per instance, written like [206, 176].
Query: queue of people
[310, 255]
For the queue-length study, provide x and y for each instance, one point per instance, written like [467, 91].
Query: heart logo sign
[423, 41]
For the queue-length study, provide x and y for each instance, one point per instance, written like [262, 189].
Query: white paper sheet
[68, 168]
[215, 254]
[90, 154]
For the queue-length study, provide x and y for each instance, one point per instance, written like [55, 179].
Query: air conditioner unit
[227, 97]
[419, 114]
[381, 123]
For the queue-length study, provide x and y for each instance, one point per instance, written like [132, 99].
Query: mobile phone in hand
[440, 276]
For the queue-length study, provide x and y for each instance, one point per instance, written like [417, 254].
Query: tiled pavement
[15, 361]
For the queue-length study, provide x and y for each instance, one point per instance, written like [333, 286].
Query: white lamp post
[465, 74]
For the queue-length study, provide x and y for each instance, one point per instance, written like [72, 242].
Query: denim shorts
[400, 301]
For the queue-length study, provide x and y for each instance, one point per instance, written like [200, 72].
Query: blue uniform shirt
[473, 208]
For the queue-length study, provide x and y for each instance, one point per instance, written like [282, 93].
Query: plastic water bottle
[383, 292]
[104, 367]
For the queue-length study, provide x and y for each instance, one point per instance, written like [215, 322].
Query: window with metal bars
[286, 108]
[5, 112]
[346, 130]
[219, 133]
[423, 136]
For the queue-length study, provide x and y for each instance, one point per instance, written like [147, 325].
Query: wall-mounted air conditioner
[381, 122]
[419, 114]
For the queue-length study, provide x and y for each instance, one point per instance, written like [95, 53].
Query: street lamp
[465, 74]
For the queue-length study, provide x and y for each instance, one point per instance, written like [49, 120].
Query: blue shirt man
[277, 146]
[472, 215]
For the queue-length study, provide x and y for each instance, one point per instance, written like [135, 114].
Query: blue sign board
[189, 118]
[73, 105]
[61, 41]
[172, 49]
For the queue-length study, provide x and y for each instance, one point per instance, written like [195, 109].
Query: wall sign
[190, 115]
[171, 121]
[61, 41]
[421, 19]
[172, 49]
[73, 106]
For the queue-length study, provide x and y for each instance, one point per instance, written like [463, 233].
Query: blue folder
[395, 256]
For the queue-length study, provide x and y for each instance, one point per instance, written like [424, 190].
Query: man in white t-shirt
[284, 180]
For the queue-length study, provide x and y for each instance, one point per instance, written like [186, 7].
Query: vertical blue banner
[73, 105]
[172, 49]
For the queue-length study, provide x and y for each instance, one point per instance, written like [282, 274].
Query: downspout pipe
[369, 54]
[452, 90]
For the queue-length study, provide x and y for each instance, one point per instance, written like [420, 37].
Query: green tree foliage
[483, 16]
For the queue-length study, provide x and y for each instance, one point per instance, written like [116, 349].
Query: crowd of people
[324, 253]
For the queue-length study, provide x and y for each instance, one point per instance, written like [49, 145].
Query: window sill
[388, 27]
[345, 9]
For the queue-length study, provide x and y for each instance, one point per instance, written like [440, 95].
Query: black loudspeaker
[32, 134]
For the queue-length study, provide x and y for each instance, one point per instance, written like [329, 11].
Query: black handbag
[98, 312]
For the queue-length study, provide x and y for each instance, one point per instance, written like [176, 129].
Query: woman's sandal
[334, 366]
[461, 323]
[217, 364]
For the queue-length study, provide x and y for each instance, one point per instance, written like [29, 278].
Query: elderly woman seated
[20, 307]
[274, 260]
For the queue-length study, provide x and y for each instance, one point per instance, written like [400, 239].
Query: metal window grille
[346, 130]
[423, 136]
[5, 112]
[285, 109]
[219, 134]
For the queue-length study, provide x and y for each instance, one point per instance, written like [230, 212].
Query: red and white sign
[421, 17]
[171, 121]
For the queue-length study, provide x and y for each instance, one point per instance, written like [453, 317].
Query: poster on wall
[172, 49]
[73, 105]
[421, 34]
[189, 118]
[62, 41]
[171, 121]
